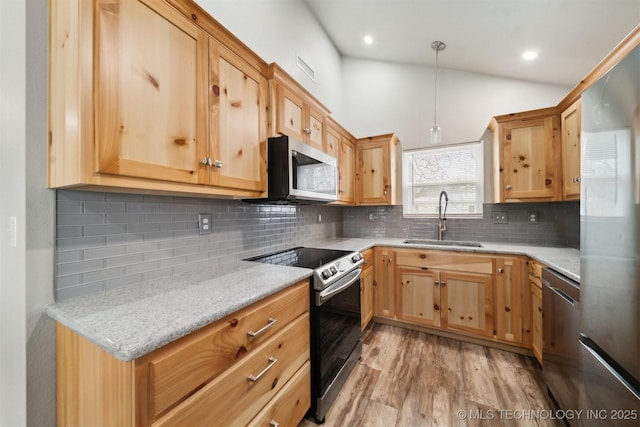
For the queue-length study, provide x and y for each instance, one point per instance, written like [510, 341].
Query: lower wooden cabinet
[448, 290]
[419, 296]
[218, 375]
[509, 295]
[366, 289]
[536, 313]
[384, 288]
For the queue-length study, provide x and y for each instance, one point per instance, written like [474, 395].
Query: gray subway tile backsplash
[108, 240]
[558, 224]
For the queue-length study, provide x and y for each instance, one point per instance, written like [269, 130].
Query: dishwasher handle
[562, 295]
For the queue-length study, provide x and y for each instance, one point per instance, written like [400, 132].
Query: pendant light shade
[435, 133]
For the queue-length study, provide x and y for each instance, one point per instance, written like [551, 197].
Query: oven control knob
[356, 257]
[326, 274]
[333, 269]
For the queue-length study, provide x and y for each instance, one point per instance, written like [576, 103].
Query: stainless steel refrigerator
[610, 248]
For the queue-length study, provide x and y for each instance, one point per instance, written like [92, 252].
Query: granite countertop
[565, 261]
[134, 320]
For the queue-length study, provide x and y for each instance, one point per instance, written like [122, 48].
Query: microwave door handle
[337, 287]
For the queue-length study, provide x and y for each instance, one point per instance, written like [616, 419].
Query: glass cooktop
[301, 257]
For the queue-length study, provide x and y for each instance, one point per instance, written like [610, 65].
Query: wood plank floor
[409, 378]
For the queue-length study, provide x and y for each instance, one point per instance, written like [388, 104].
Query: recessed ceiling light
[367, 39]
[529, 55]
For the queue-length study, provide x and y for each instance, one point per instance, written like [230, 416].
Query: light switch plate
[499, 217]
[204, 223]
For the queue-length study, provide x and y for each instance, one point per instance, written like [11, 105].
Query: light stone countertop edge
[134, 320]
[565, 261]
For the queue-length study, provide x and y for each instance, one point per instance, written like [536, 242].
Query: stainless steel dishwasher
[560, 338]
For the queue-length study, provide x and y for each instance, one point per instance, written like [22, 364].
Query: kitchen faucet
[442, 215]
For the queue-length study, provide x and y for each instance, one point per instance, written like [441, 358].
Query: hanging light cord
[437, 46]
[435, 89]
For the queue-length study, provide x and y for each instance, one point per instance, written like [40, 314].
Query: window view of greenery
[457, 169]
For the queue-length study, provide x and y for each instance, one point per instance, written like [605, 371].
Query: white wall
[382, 97]
[13, 405]
[27, 359]
[372, 97]
[279, 31]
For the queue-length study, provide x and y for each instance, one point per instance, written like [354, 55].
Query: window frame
[408, 185]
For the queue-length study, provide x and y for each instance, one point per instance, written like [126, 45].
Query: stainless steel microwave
[299, 173]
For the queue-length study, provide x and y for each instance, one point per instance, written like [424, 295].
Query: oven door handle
[338, 287]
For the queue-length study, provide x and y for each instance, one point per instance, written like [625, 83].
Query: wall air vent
[306, 68]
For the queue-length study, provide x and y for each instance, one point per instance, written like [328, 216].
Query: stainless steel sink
[443, 243]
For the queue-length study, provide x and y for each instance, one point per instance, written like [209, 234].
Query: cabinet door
[508, 280]
[290, 113]
[570, 124]
[332, 141]
[536, 308]
[419, 296]
[238, 121]
[372, 175]
[529, 162]
[346, 162]
[150, 77]
[366, 297]
[314, 128]
[467, 302]
[384, 294]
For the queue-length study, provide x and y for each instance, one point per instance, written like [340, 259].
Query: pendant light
[435, 134]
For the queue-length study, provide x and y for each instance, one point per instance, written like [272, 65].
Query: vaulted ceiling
[483, 36]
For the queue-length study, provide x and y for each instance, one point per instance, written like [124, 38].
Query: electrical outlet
[532, 217]
[499, 217]
[204, 223]
[371, 218]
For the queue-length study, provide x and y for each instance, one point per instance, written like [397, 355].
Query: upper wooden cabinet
[238, 121]
[340, 144]
[142, 97]
[296, 113]
[378, 170]
[527, 164]
[570, 125]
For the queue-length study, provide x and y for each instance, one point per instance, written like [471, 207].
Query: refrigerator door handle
[609, 368]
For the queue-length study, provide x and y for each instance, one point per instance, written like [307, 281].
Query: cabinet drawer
[290, 404]
[535, 272]
[178, 369]
[233, 398]
[445, 260]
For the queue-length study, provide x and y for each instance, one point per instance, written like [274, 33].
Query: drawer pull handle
[272, 361]
[274, 423]
[269, 324]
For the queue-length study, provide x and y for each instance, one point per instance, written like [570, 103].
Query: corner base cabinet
[218, 375]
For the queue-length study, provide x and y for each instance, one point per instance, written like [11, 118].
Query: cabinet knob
[500, 270]
[385, 192]
[443, 283]
[578, 179]
[509, 187]
[307, 131]
[217, 164]
[273, 423]
[436, 283]
[206, 161]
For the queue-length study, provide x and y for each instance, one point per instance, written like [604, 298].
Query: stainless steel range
[336, 340]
